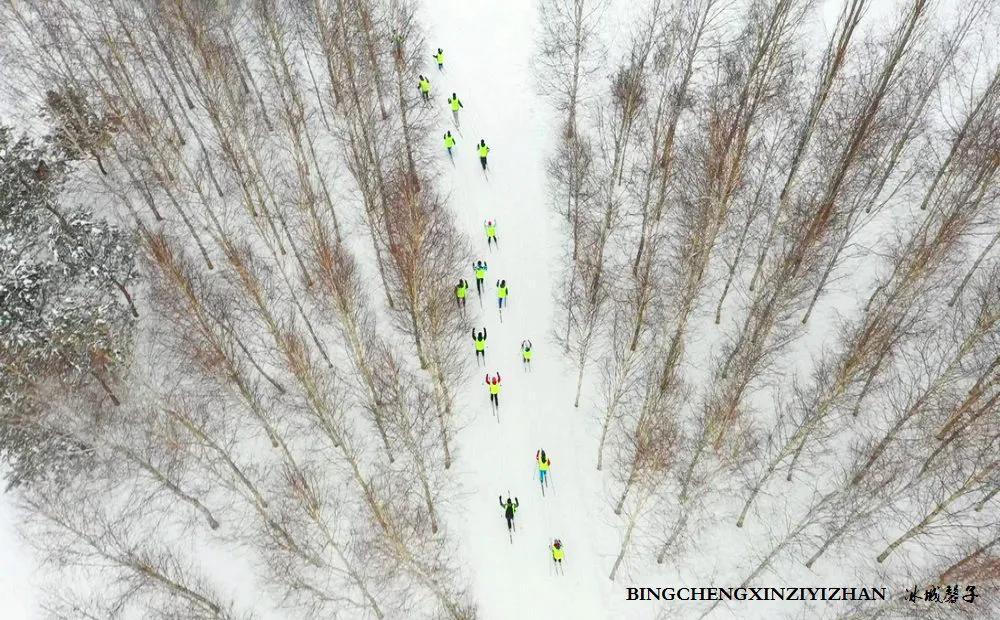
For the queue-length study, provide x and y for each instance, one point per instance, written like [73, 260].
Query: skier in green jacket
[479, 340]
[502, 292]
[480, 269]
[455, 104]
[449, 142]
[508, 511]
[491, 233]
[439, 57]
[424, 85]
[493, 383]
[483, 152]
[558, 553]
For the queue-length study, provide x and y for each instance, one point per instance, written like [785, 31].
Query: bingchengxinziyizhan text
[712, 593]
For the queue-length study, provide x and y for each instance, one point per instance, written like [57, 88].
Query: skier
[526, 354]
[425, 88]
[558, 553]
[397, 44]
[455, 104]
[483, 152]
[493, 383]
[508, 511]
[491, 233]
[480, 342]
[439, 57]
[449, 142]
[481, 269]
[461, 289]
[543, 463]
[502, 292]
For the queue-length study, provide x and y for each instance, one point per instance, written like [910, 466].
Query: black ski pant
[460, 301]
[479, 285]
[494, 398]
[483, 353]
[510, 522]
[482, 160]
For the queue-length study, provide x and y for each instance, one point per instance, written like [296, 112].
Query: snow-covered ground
[17, 599]
[489, 49]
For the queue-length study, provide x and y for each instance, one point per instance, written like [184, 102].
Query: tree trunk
[625, 543]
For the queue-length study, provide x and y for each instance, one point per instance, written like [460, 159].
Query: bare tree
[919, 260]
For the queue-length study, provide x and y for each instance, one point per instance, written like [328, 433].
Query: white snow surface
[488, 53]
[489, 48]
[17, 598]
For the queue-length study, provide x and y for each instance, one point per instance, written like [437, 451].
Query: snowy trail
[488, 49]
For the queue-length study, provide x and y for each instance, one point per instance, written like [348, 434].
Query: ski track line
[490, 71]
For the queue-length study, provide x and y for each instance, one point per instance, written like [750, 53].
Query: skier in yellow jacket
[558, 553]
[455, 104]
[543, 463]
[483, 152]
